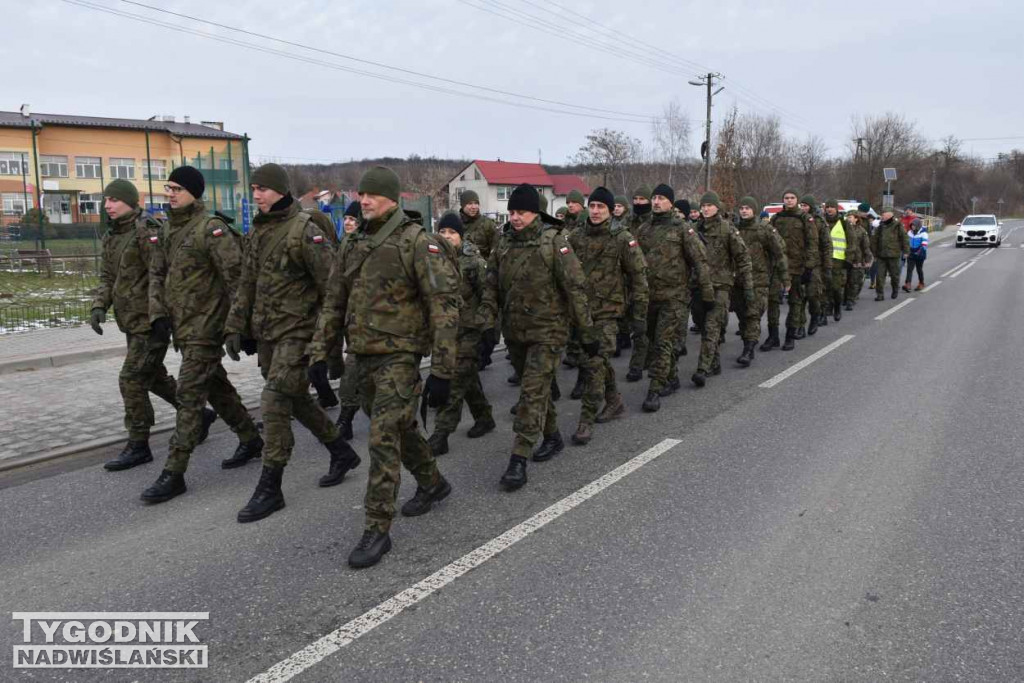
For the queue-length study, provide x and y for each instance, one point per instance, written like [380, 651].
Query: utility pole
[39, 187]
[708, 81]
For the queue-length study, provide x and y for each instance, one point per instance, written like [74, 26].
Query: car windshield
[980, 220]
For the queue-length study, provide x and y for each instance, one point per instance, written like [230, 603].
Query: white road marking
[962, 270]
[361, 625]
[805, 362]
[931, 286]
[956, 268]
[894, 309]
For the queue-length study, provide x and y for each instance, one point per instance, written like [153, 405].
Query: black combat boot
[515, 380]
[266, 499]
[326, 398]
[424, 499]
[670, 388]
[652, 403]
[747, 357]
[772, 342]
[570, 361]
[556, 391]
[209, 417]
[580, 386]
[716, 365]
[549, 447]
[438, 443]
[133, 454]
[800, 333]
[515, 475]
[167, 485]
[823, 318]
[344, 421]
[624, 340]
[481, 427]
[837, 310]
[895, 293]
[789, 344]
[245, 452]
[699, 378]
[370, 549]
[634, 375]
[343, 459]
[812, 326]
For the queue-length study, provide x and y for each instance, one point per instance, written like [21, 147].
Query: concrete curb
[59, 360]
[18, 462]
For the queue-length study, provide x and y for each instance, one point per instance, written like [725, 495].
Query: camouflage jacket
[536, 279]
[472, 270]
[392, 289]
[284, 276]
[481, 231]
[195, 269]
[571, 222]
[728, 259]
[801, 238]
[124, 275]
[637, 221]
[615, 269]
[325, 223]
[890, 240]
[672, 252]
[824, 240]
[858, 244]
[767, 253]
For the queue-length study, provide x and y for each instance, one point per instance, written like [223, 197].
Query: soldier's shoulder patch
[317, 239]
[153, 239]
[433, 248]
[217, 232]
[632, 244]
[564, 250]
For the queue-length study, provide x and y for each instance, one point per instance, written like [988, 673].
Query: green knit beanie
[469, 197]
[864, 207]
[575, 196]
[621, 199]
[711, 198]
[123, 191]
[810, 201]
[749, 202]
[272, 176]
[792, 192]
[643, 191]
[381, 180]
[831, 204]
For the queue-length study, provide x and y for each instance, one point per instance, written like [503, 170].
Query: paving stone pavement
[53, 408]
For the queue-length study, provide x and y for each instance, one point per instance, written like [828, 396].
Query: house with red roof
[493, 181]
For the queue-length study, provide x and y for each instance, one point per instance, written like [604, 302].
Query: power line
[556, 106]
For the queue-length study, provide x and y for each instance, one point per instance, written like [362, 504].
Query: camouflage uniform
[888, 243]
[767, 265]
[537, 282]
[614, 267]
[728, 263]
[802, 255]
[672, 252]
[481, 231]
[396, 296]
[284, 275]
[836, 286]
[858, 253]
[472, 270]
[194, 272]
[124, 283]
[817, 293]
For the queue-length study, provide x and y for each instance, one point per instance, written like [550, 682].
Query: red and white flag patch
[218, 232]
[317, 239]
[632, 243]
[154, 239]
[564, 250]
[433, 249]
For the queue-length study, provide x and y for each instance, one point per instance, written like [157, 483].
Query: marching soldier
[816, 291]
[858, 257]
[348, 390]
[480, 230]
[801, 238]
[889, 243]
[836, 286]
[395, 295]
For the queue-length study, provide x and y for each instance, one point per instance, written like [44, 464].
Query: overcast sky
[955, 68]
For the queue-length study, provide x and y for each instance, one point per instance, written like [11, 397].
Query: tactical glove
[97, 318]
[437, 391]
[160, 333]
[591, 348]
[233, 344]
[317, 373]
[807, 275]
[249, 346]
[335, 367]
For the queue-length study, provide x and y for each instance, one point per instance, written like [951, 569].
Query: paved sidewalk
[58, 347]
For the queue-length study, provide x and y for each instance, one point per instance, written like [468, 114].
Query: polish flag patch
[632, 243]
[433, 249]
[564, 250]
[154, 239]
[317, 239]
[218, 232]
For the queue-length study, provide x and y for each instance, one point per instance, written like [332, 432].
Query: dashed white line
[894, 309]
[387, 610]
[805, 362]
[962, 270]
[956, 268]
[931, 286]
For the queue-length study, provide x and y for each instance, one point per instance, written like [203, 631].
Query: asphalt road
[859, 520]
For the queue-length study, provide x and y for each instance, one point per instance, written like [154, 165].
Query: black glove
[317, 373]
[591, 348]
[233, 344]
[807, 275]
[437, 391]
[639, 327]
[249, 346]
[97, 318]
[161, 331]
[335, 368]
[488, 340]
[708, 306]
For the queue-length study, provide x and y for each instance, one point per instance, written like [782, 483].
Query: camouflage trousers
[283, 365]
[389, 388]
[797, 316]
[466, 386]
[143, 372]
[712, 323]
[854, 283]
[837, 290]
[202, 378]
[684, 325]
[600, 373]
[348, 389]
[536, 364]
[817, 291]
[887, 267]
[749, 315]
[573, 350]
[663, 321]
[775, 294]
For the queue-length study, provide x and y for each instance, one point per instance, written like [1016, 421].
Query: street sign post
[890, 175]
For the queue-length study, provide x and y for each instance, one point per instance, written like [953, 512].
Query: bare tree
[671, 133]
[610, 153]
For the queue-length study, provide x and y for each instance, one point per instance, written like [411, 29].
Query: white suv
[980, 229]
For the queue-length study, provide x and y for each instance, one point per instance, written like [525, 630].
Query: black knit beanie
[683, 206]
[524, 198]
[451, 221]
[665, 191]
[190, 178]
[354, 210]
[604, 196]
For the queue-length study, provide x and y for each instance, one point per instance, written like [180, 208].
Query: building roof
[13, 119]
[513, 173]
[566, 183]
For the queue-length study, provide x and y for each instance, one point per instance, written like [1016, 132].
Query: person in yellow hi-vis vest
[836, 288]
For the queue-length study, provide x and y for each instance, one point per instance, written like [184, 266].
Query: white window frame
[85, 198]
[12, 200]
[11, 160]
[159, 167]
[504, 192]
[53, 166]
[85, 165]
[122, 168]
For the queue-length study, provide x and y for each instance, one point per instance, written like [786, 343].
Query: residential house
[493, 181]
